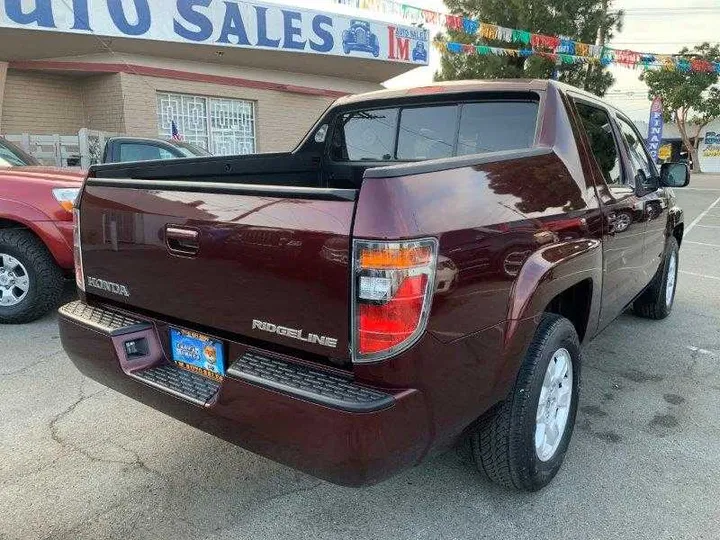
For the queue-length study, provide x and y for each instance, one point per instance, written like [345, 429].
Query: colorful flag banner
[556, 46]
[604, 57]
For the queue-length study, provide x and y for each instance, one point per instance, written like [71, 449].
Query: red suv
[35, 233]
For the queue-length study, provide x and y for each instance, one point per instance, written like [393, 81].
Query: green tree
[690, 99]
[581, 20]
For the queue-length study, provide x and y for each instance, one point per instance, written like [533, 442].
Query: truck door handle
[182, 241]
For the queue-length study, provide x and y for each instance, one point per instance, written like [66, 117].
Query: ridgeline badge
[294, 333]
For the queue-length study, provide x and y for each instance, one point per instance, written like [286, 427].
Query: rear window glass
[495, 126]
[366, 136]
[427, 133]
[434, 132]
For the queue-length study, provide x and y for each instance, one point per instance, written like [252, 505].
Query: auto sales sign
[223, 23]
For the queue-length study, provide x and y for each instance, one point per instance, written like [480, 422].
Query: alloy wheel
[554, 405]
[671, 279]
[14, 281]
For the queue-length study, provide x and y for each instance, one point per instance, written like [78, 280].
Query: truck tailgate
[264, 262]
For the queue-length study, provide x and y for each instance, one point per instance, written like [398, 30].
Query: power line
[669, 10]
[691, 42]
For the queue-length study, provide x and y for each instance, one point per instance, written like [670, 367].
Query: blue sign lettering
[324, 34]
[117, 14]
[81, 20]
[411, 33]
[186, 10]
[233, 25]
[42, 14]
[263, 39]
[292, 31]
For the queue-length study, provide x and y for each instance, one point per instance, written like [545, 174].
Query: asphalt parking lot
[78, 461]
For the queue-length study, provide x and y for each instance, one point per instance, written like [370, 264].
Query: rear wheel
[658, 299]
[30, 281]
[521, 444]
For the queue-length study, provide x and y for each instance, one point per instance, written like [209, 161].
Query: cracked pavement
[78, 461]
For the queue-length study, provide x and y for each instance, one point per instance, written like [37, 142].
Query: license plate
[197, 352]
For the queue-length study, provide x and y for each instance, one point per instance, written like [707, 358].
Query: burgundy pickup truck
[424, 266]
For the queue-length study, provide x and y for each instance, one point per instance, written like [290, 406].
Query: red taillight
[393, 290]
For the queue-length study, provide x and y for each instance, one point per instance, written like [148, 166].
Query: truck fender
[21, 212]
[547, 273]
[42, 225]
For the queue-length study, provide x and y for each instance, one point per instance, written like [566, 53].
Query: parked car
[121, 149]
[359, 37]
[351, 307]
[35, 233]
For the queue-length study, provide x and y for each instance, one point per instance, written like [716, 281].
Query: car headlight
[66, 197]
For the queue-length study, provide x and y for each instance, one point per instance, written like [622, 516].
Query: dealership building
[233, 76]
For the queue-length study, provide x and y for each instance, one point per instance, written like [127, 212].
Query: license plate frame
[198, 353]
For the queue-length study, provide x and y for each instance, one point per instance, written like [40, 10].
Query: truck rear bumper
[344, 433]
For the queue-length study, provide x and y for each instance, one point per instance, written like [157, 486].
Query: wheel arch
[550, 274]
[45, 231]
[549, 282]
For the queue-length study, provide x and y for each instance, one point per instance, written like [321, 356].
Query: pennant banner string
[627, 58]
[553, 47]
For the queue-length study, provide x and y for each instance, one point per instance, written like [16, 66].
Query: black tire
[653, 303]
[504, 441]
[46, 278]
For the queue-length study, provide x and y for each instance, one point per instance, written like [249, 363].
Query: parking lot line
[698, 275]
[702, 215]
[701, 244]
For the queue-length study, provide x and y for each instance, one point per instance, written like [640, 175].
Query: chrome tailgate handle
[182, 241]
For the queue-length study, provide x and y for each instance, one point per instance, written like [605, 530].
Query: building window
[221, 126]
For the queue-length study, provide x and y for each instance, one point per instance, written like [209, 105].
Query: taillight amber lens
[393, 284]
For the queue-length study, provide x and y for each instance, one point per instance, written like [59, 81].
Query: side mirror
[674, 174]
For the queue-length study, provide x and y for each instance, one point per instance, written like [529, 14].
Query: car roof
[458, 87]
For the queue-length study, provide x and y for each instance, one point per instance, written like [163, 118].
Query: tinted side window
[496, 126]
[639, 157]
[598, 129]
[143, 152]
[427, 133]
[365, 136]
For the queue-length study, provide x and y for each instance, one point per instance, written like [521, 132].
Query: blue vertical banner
[655, 128]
